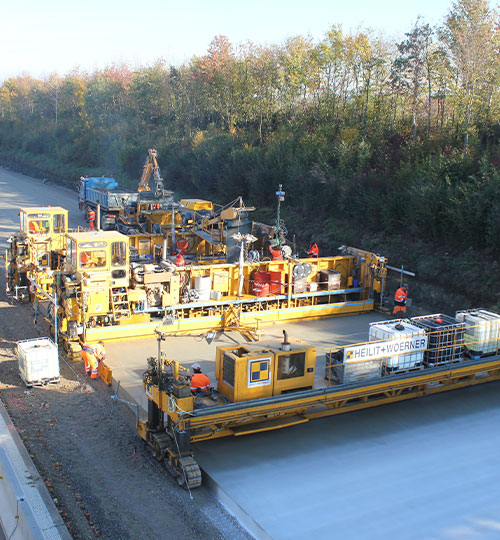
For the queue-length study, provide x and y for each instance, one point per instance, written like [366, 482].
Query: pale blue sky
[44, 36]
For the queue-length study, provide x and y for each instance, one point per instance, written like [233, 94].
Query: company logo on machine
[259, 372]
[383, 349]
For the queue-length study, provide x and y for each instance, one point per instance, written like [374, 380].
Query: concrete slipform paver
[427, 468]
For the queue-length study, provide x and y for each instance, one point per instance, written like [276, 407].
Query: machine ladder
[120, 303]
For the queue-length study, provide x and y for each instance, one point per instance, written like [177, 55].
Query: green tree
[469, 34]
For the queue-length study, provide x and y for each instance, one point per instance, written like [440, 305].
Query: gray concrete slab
[421, 469]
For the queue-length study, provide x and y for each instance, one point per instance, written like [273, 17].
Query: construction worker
[89, 356]
[199, 381]
[34, 227]
[179, 259]
[100, 351]
[400, 299]
[313, 250]
[91, 218]
[276, 253]
[85, 260]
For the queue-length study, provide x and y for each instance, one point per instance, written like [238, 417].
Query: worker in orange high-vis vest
[91, 218]
[34, 226]
[89, 355]
[313, 250]
[179, 260]
[199, 381]
[276, 253]
[400, 299]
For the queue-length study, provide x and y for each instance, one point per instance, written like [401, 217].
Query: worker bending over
[89, 356]
[276, 253]
[199, 381]
[400, 299]
[100, 351]
[313, 250]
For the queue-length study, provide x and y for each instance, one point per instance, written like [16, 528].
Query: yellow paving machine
[105, 296]
[36, 250]
[262, 387]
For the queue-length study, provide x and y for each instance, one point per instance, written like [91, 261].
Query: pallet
[41, 383]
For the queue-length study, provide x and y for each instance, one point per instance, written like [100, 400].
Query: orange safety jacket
[89, 359]
[100, 352]
[276, 253]
[199, 381]
[91, 215]
[34, 227]
[401, 295]
[313, 250]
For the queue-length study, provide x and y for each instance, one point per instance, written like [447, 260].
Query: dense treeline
[392, 136]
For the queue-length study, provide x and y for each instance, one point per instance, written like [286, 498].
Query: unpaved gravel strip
[102, 477]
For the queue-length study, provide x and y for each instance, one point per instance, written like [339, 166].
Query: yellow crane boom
[151, 168]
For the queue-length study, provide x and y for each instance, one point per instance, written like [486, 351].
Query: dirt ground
[100, 474]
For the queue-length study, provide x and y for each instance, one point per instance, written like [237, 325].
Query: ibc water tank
[394, 330]
[482, 331]
[38, 361]
[445, 337]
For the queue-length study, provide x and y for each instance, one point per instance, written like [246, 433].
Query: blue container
[101, 183]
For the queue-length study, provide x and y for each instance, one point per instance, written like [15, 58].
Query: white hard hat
[196, 366]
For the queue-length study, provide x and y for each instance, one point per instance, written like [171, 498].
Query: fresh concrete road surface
[424, 469]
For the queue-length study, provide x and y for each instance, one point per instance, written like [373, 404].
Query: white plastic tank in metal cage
[482, 331]
[408, 338]
[38, 361]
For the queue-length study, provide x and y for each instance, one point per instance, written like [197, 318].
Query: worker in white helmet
[199, 381]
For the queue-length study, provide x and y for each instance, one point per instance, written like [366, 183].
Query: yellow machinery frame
[187, 424]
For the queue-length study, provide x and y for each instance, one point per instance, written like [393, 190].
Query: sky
[40, 37]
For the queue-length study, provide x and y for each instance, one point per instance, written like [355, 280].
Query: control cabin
[99, 256]
[45, 224]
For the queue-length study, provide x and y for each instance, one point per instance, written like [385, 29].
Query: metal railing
[357, 362]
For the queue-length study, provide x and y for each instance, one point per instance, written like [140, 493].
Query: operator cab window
[71, 255]
[59, 223]
[93, 259]
[118, 254]
[291, 365]
[38, 226]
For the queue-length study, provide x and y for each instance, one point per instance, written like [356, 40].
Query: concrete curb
[27, 511]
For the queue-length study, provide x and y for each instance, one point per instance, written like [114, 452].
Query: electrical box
[245, 373]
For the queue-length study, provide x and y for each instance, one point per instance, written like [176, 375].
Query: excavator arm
[151, 168]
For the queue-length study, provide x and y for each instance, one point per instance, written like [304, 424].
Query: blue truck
[113, 203]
